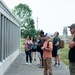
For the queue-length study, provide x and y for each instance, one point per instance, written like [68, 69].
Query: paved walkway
[18, 67]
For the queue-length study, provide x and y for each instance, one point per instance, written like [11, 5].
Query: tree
[30, 29]
[24, 15]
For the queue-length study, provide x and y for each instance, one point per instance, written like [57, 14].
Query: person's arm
[40, 44]
[57, 44]
[72, 42]
[58, 40]
[50, 47]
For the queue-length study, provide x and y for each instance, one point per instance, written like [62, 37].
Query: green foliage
[21, 44]
[24, 15]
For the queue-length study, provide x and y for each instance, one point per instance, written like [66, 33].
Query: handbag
[34, 46]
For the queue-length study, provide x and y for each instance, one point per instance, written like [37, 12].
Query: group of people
[47, 49]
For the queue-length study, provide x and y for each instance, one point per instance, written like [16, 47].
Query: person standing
[47, 55]
[39, 50]
[28, 44]
[71, 54]
[41, 44]
[34, 48]
[56, 48]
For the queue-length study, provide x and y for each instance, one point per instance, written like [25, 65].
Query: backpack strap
[48, 44]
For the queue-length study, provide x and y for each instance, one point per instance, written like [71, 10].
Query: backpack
[61, 43]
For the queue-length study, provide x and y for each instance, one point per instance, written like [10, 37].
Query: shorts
[34, 50]
[39, 55]
[58, 51]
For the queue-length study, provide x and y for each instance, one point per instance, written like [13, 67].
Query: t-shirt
[71, 54]
[28, 45]
[47, 53]
[39, 47]
[55, 40]
[42, 40]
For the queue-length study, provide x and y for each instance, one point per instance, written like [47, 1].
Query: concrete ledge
[8, 61]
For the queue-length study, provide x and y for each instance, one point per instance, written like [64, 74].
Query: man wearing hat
[71, 54]
[47, 55]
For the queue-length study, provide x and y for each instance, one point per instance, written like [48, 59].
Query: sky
[53, 15]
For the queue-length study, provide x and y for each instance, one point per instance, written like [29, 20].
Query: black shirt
[71, 54]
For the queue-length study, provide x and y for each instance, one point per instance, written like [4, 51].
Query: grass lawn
[21, 44]
[63, 55]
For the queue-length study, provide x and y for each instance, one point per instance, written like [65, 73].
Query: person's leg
[41, 52]
[29, 53]
[34, 55]
[49, 65]
[58, 57]
[72, 68]
[39, 56]
[45, 67]
[55, 56]
[42, 56]
[26, 52]
[55, 61]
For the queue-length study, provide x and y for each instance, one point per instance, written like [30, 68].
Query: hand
[42, 48]
[73, 35]
[35, 43]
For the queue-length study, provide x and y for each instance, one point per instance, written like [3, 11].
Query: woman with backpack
[56, 49]
[34, 48]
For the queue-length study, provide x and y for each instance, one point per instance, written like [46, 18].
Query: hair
[41, 33]
[57, 33]
[34, 39]
[30, 37]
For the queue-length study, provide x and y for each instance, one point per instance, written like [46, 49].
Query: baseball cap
[71, 26]
[47, 34]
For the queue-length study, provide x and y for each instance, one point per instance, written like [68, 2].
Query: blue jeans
[28, 54]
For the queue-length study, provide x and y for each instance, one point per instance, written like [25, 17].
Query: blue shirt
[55, 40]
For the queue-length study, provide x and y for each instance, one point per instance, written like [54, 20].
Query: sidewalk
[18, 67]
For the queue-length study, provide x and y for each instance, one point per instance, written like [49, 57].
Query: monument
[65, 35]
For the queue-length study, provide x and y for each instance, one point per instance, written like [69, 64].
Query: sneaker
[38, 64]
[41, 66]
[29, 63]
[55, 65]
[34, 59]
[58, 65]
[26, 63]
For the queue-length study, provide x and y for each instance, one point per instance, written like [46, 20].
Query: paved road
[18, 67]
